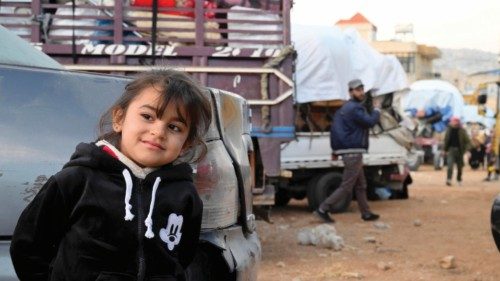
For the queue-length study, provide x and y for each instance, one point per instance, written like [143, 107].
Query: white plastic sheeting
[383, 73]
[328, 58]
[323, 66]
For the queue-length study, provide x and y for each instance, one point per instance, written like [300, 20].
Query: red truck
[242, 48]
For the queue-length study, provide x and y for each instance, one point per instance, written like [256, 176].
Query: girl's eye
[147, 116]
[174, 128]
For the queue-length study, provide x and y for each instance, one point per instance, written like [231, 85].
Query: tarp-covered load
[328, 58]
[434, 100]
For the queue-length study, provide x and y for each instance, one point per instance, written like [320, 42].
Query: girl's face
[147, 139]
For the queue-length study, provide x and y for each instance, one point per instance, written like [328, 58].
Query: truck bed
[312, 150]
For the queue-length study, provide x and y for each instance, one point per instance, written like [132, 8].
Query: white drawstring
[128, 193]
[128, 207]
[149, 221]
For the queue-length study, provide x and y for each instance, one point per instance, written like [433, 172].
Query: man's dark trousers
[454, 157]
[352, 177]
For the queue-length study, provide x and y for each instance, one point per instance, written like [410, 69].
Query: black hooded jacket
[75, 228]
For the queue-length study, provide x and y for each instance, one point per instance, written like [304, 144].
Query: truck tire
[281, 197]
[311, 193]
[495, 221]
[326, 184]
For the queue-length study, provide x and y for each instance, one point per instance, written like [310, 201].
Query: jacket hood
[96, 157]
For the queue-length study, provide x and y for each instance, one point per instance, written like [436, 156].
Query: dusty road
[454, 221]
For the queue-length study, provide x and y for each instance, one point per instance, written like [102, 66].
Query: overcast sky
[441, 23]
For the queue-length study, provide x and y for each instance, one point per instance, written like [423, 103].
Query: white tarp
[327, 58]
[323, 66]
[391, 76]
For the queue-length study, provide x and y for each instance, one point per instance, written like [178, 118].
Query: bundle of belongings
[182, 19]
[140, 14]
[433, 103]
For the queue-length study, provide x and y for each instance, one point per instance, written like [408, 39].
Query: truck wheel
[325, 186]
[495, 221]
[311, 194]
[281, 197]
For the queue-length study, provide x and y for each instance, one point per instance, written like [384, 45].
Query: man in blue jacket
[349, 138]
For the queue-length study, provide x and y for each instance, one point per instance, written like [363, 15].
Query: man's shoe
[448, 182]
[324, 216]
[370, 217]
[459, 183]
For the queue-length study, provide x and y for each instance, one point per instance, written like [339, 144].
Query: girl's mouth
[154, 145]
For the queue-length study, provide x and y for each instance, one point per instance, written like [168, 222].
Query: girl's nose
[158, 129]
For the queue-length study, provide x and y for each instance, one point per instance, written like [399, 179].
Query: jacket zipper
[140, 218]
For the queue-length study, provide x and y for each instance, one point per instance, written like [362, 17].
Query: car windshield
[16, 51]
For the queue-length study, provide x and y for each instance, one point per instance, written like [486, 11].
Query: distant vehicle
[495, 221]
[45, 111]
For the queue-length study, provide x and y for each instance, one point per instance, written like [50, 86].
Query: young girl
[123, 208]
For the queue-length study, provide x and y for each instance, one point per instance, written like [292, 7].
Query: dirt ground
[454, 221]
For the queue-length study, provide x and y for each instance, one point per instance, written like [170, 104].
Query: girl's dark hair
[175, 87]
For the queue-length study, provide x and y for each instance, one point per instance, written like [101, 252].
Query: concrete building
[416, 59]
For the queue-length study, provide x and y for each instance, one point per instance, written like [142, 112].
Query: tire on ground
[495, 221]
[311, 194]
[325, 185]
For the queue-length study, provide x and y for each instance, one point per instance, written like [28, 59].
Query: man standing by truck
[349, 139]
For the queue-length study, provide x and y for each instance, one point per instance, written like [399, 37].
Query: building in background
[365, 28]
[416, 59]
